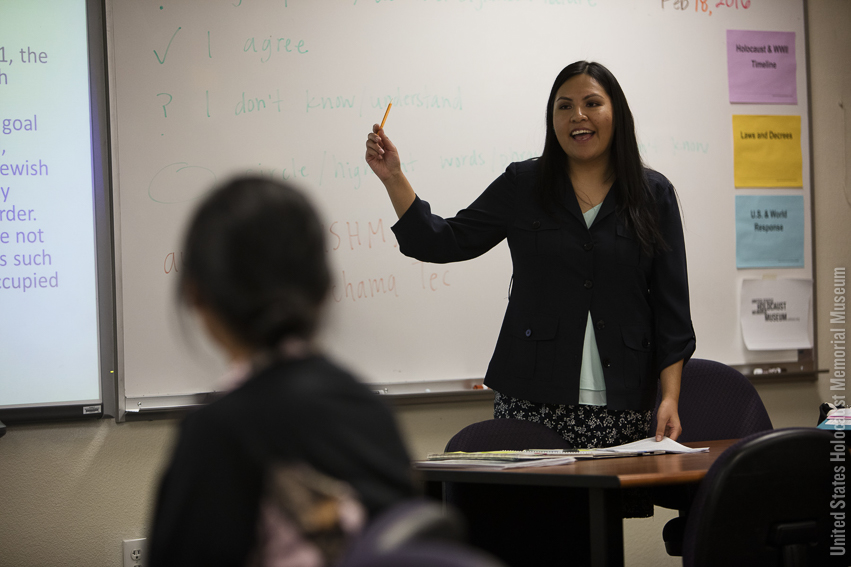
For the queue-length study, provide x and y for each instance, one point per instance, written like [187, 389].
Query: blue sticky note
[769, 231]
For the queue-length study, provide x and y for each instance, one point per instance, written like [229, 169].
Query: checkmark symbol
[166, 49]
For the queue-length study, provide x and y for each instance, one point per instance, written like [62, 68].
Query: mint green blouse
[592, 385]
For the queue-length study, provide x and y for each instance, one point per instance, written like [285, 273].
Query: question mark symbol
[170, 98]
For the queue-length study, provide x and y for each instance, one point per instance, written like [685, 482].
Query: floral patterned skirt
[587, 427]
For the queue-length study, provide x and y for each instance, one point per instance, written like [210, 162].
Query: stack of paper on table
[497, 459]
[839, 418]
[543, 457]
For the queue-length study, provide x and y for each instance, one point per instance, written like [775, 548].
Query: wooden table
[603, 478]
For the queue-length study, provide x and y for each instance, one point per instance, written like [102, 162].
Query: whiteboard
[203, 90]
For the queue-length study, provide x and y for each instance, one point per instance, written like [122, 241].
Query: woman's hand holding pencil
[383, 158]
[381, 155]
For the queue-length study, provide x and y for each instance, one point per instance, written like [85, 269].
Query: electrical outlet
[135, 552]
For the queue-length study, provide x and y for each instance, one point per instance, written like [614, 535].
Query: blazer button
[536, 224]
[601, 324]
[606, 363]
[589, 284]
[588, 246]
[528, 332]
[645, 343]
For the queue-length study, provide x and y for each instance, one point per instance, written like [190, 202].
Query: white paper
[839, 416]
[775, 314]
[493, 465]
[650, 445]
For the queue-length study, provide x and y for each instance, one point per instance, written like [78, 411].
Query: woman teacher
[599, 306]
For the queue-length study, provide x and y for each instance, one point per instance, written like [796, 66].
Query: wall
[830, 47]
[70, 493]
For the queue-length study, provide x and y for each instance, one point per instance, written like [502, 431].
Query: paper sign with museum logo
[767, 151]
[769, 231]
[761, 67]
[776, 314]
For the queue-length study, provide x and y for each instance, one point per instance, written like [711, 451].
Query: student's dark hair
[254, 255]
[636, 205]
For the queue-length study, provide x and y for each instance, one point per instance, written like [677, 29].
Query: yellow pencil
[383, 120]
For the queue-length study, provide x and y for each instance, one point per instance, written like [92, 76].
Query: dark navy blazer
[639, 304]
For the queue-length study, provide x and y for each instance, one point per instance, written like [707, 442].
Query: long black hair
[254, 255]
[636, 205]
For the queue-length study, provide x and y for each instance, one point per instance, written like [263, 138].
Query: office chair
[766, 502]
[716, 402]
[501, 520]
[506, 434]
[428, 555]
[415, 533]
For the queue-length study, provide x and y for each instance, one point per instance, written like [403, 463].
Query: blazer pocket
[638, 355]
[539, 236]
[627, 247]
[533, 347]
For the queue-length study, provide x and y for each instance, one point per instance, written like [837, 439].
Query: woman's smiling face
[582, 120]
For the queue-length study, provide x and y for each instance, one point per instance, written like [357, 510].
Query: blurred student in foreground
[300, 454]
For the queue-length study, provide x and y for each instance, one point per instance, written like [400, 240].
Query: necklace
[585, 201]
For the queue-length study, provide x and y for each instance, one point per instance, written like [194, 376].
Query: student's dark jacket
[639, 304]
[307, 411]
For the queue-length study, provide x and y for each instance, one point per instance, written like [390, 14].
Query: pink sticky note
[761, 67]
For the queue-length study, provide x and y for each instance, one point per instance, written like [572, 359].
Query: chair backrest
[413, 533]
[717, 402]
[434, 555]
[506, 434]
[402, 524]
[765, 501]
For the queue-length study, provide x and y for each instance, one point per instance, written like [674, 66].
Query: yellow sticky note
[767, 151]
